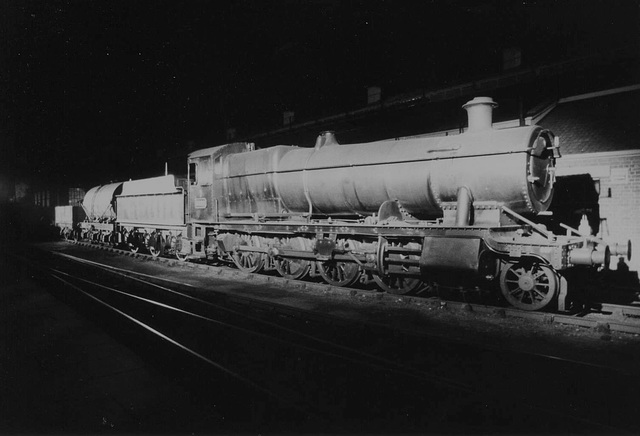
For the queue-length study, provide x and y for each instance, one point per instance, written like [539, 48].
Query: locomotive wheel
[155, 243]
[294, 269]
[113, 239]
[398, 285]
[529, 284]
[134, 245]
[339, 273]
[156, 249]
[248, 261]
[269, 264]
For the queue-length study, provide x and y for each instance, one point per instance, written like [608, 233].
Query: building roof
[600, 121]
[597, 122]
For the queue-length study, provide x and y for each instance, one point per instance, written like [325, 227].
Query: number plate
[201, 203]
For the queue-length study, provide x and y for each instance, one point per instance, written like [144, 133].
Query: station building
[600, 136]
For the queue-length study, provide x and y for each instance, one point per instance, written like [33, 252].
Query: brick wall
[619, 176]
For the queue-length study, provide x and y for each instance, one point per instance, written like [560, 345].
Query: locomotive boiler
[404, 213]
[424, 177]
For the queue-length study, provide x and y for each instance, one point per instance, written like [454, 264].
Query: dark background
[99, 91]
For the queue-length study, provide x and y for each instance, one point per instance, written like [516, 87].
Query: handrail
[544, 232]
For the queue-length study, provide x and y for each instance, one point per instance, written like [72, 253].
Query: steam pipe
[464, 206]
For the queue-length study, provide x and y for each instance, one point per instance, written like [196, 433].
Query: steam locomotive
[402, 213]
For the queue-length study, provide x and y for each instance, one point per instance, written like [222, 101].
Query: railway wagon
[403, 213]
[67, 218]
[99, 207]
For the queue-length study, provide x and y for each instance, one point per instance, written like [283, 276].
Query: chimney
[479, 111]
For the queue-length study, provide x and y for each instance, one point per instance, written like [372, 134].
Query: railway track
[399, 368]
[604, 317]
[413, 376]
[156, 309]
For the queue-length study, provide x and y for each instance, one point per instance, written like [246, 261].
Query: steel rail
[621, 309]
[177, 343]
[298, 403]
[367, 361]
[478, 308]
[531, 406]
[367, 358]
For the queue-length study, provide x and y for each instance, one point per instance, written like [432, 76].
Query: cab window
[193, 179]
[217, 167]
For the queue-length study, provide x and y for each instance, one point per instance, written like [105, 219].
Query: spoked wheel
[113, 239]
[156, 245]
[529, 284]
[294, 269]
[176, 248]
[248, 261]
[398, 285]
[339, 273]
[155, 251]
[132, 242]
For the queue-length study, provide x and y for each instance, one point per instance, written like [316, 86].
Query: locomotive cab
[206, 193]
[205, 175]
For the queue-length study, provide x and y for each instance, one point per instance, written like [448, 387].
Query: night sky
[98, 91]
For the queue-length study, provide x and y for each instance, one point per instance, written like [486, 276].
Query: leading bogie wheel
[529, 284]
[339, 273]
